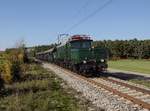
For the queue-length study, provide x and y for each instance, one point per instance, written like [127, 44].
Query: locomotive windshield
[81, 44]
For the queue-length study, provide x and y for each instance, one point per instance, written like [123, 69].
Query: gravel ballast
[98, 96]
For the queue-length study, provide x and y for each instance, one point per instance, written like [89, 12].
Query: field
[142, 66]
[39, 90]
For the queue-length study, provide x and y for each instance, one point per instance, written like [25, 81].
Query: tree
[133, 48]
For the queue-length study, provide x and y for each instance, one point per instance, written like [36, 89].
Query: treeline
[137, 49]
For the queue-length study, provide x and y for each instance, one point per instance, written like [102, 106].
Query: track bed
[103, 92]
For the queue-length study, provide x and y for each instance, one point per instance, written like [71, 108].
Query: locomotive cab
[83, 56]
[80, 47]
[84, 44]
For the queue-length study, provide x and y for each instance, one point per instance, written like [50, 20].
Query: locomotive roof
[80, 38]
[76, 38]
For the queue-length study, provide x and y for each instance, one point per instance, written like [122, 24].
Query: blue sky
[40, 21]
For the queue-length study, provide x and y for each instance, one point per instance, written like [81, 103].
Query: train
[77, 54]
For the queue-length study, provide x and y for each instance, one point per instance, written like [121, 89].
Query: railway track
[137, 95]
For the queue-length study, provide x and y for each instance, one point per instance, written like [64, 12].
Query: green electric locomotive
[77, 54]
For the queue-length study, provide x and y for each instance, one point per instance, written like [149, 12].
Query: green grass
[39, 90]
[142, 66]
[40, 101]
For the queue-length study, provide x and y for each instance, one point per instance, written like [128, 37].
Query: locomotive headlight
[84, 62]
[102, 60]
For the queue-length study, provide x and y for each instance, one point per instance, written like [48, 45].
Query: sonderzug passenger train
[77, 54]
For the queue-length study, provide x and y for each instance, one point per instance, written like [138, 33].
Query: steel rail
[128, 85]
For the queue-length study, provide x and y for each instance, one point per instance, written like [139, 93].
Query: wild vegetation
[10, 67]
[38, 90]
[11, 64]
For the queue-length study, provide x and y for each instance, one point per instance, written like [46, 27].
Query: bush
[5, 70]
[11, 66]
[16, 57]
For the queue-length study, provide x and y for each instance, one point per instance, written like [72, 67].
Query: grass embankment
[142, 66]
[38, 90]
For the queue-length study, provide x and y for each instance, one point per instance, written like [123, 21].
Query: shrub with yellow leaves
[10, 68]
[5, 70]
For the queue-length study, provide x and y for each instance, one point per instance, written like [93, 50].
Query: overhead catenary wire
[82, 8]
[90, 15]
[74, 16]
